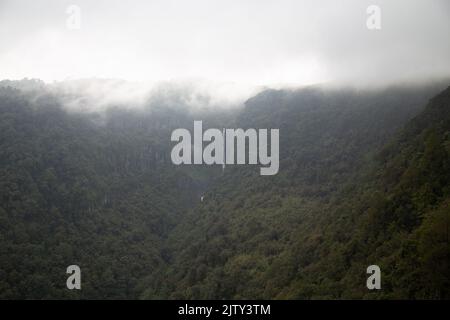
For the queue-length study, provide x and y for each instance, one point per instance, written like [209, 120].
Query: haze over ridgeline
[244, 44]
[96, 94]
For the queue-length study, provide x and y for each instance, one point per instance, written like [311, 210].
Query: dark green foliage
[364, 179]
[73, 192]
[338, 205]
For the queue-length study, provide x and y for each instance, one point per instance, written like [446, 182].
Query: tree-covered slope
[340, 203]
[73, 191]
[363, 180]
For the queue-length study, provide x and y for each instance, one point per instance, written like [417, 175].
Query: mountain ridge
[354, 189]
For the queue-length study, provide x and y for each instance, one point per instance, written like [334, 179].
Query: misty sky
[257, 42]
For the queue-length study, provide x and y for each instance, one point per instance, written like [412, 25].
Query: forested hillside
[364, 179]
[341, 202]
[95, 191]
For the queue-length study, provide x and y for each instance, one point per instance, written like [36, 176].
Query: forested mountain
[364, 179]
[341, 202]
[95, 191]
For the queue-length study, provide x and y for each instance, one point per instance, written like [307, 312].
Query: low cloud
[246, 43]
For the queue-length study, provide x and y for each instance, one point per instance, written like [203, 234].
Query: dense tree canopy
[364, 179]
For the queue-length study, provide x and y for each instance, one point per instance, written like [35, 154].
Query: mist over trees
[364, 179]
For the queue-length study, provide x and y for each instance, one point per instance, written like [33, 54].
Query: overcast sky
[257, 42]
